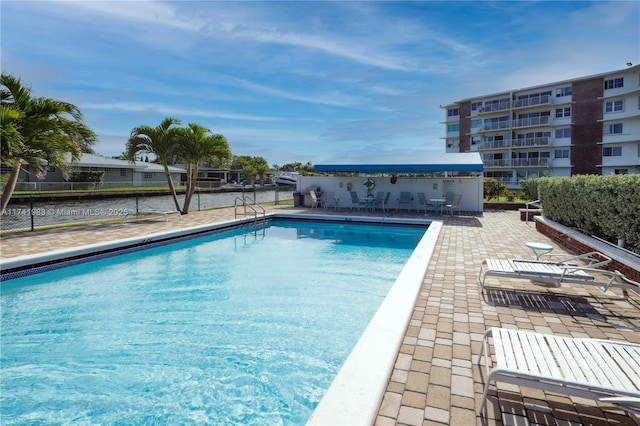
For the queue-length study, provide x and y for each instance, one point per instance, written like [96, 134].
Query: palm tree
[163, 141]
[38, 131]
[199, 146]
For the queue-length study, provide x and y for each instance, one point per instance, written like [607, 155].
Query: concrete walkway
[436, 380]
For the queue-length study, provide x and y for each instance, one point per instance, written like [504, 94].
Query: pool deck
[436, 380]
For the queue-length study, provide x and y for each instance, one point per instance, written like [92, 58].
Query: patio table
[437, 203]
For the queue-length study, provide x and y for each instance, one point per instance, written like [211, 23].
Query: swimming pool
[104, 342]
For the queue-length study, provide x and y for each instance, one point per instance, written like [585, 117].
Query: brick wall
[465, 126]
[586, 131]
[581, 248]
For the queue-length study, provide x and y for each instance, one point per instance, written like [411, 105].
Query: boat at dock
[286, 178]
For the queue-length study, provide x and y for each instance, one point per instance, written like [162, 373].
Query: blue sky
[323, 82]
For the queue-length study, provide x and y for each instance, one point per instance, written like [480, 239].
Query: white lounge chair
[583, 367]
[566, 271]
[404, 200]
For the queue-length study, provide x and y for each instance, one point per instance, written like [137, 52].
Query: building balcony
[531, 142]
[517, 162]
[512, 143]
[493, 145]
[531, 122]
[488, 127]
[529, 102]
[493, 107]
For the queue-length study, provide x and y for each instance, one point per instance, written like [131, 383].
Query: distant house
[210, 173]
[117, 173]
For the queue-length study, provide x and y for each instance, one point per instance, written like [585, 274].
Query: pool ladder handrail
[251, 205]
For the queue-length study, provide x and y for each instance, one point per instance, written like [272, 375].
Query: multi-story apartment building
[587, 125]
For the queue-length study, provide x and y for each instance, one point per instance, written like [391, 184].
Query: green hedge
[605, 206]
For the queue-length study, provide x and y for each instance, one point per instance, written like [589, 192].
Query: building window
[563, 91]
[563, 112]
[563, 133]
[453, 127]
[614, 106]
[452, 112]
[614, 83]
[475, 106]
[561, 153]
[621, 171]
[147, 175]
[123, 172]
[476, 123]
[612, 151]
[613, 129]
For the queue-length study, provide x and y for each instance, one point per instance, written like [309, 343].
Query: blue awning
[454, 162]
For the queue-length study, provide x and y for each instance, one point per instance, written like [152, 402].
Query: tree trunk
[191, 187]
[7, 192]
[171, 187]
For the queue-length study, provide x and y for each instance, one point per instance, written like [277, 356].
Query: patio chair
[330, 200]
[379, 198]
[356, 201]
[385, 203]
[567, 271]
[454, 204]
[449, 197]
[315, 202]
[378, 201]
[604, 370]
[404, 200]
[422, 202]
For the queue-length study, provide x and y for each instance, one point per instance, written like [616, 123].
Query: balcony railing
[493, 144]
[496, 126]
[518, 143]
[531, 121]
[493, 107]
[541, 141]
[528, 102]
[517, 162]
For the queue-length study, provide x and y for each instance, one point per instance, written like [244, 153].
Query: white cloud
[174, 111]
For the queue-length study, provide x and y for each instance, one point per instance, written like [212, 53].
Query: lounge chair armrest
[592, 259]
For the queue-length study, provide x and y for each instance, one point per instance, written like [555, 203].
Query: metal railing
[532, 121]
[537, 100]
[36, 211]
[253, 206]
[518, 162]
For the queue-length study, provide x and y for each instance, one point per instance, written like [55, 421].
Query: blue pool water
[247, 326]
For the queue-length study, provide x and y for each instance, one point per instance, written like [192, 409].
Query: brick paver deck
[436, 380]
